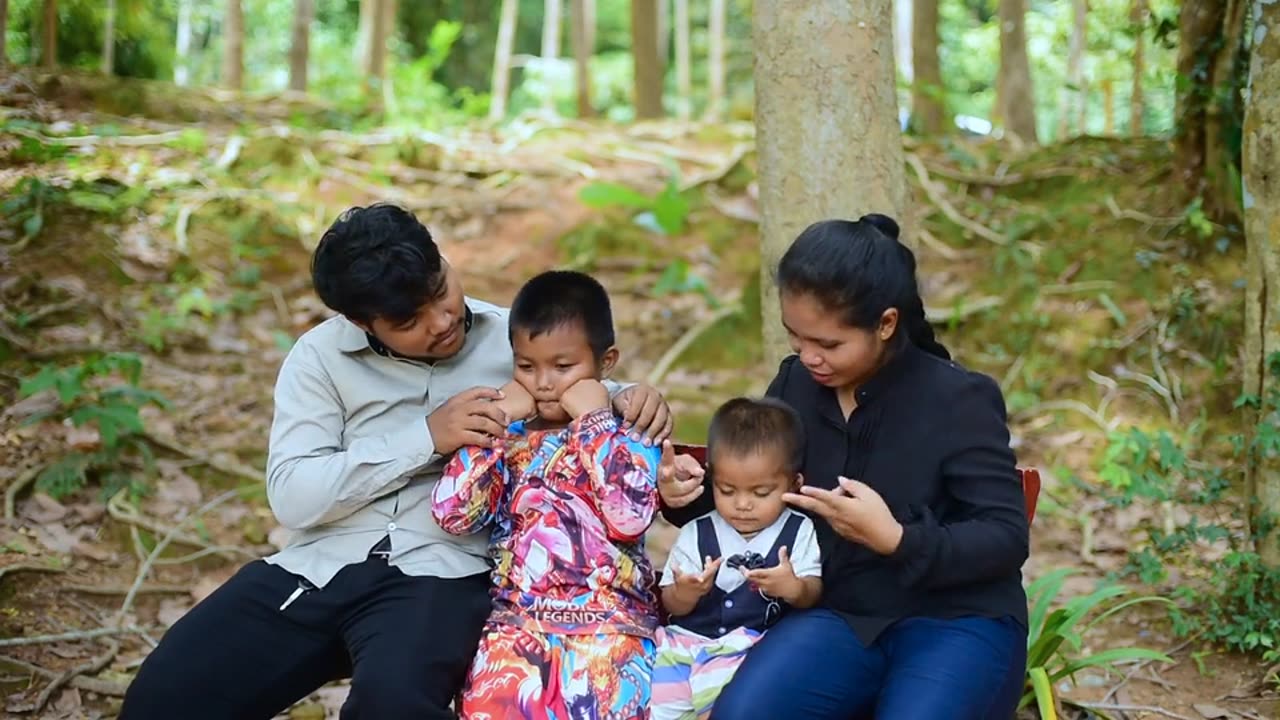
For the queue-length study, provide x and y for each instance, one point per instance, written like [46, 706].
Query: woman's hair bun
[883, 223]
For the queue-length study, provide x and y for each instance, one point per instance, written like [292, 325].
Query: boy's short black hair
[747, 425]
[560, 297]
[377, 262]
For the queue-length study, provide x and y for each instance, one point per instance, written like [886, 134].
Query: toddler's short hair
[747, 425]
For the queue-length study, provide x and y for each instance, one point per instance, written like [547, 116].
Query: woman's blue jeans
[811, 666]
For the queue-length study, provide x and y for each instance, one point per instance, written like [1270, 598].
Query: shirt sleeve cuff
[416, 443]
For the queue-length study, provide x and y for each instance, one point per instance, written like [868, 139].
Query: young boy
[569, 496]
[733, 572]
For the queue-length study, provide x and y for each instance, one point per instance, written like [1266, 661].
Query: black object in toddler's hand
[746, 561]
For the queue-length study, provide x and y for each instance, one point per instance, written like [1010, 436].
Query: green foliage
[1235, 599]
[1055, 638]
[664, 213]
[86, 398]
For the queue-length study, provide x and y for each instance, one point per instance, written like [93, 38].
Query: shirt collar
[353, 339]
[874, 388]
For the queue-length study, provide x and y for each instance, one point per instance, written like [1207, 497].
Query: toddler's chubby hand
[694, 585]
[779, 581]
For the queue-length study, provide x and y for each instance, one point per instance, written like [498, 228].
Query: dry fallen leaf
[1211, 711]
[172, 609]
[56, 537]
[43, 509]
[84, 438]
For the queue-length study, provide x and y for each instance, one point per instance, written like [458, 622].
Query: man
[368, 406]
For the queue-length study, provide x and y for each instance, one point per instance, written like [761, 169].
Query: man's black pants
[406, 641]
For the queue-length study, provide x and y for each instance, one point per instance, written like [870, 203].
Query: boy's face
[437, 332]
[551, 362]
[748, 488]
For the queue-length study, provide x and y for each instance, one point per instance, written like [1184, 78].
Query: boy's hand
[694, 585]
[584, 396]
[516, 402]
[779, 581]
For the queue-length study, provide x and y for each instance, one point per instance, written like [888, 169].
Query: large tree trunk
[644, 52]
[716, 22]
[928, 103]
[233, 46]
[582, 19]
[1210, 49]
[502, 60]
[550, 47]
[684, 75]
[109, 40]
[299, 50]
[1137, 106]
[828, 147]
[49, 46]
[1261, 158]
[1016, 96]
[1071, 98]
[182, 49]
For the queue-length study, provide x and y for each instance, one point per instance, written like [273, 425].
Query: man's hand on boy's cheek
[645, 413]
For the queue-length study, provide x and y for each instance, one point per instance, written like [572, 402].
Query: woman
[921, 518]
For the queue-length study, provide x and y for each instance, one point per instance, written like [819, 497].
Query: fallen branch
[1139, 216]
[87, 140]
[73, 636]
[718, 173]
[119, 513]
[123, 590]
[80, 682]
[935, 197]
[1000, 180]
[94, 666]
[1106, 425]
[26, 567]
[159, 548]
[962, 310]
[1129, 708]
[11, 493]
[230, 468]
[673, 353]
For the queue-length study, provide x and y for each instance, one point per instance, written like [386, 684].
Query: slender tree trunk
[1017, 96]
[644, 51]
[233, 48]
[1210, 50]
[1137, 106]
[502, 60]
[1108, 107]
[369, 15]
[1261, 158]
[376, 52]
[928, 103]
[828, 147]
[716, 24]
[390, 10]
[550, 48]
[182, 49]
[299, 50]
[582, 38]
[664, 34]
[109, 40]
[49, 47]
[1071, 98]
[4, 27]
[684, 75]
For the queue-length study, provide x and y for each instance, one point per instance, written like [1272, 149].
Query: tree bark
[1137, 105]
[1108, 107]
[369, 14]
[376, 51]
[828, 147]
[1210, 49]
[182, 48]
[1261, 179]
[109, 40]
[716, 23]
[664, 35]
[550, 47]
[233, 47]
[684, 75]
[582, 38]
[928, 101]
[644, 51]
[1071, 98]
[49, 46]
[1017, 96]
[300, 48]
[502, 60]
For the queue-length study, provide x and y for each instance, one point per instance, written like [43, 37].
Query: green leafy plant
[663, 214]
[87, 398]
[1055, 638]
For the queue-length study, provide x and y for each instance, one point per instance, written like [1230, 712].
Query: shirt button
[723, 631]
[391, 527]
[728, 603]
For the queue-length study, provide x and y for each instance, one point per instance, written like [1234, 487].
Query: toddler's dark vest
[719, 612]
